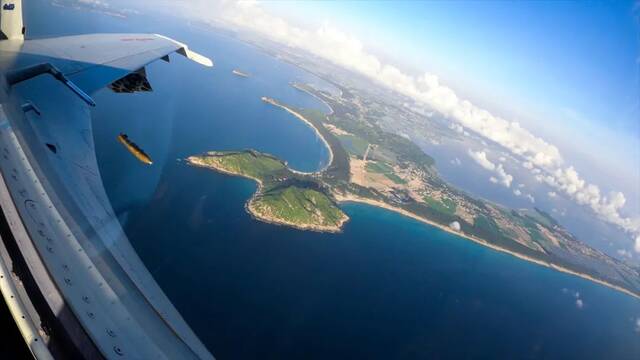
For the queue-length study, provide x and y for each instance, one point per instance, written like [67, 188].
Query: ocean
[387, 287]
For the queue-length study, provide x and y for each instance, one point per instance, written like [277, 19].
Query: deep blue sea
[388, 287]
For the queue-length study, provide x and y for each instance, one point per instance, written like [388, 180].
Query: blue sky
[562, 68]
[523, 46]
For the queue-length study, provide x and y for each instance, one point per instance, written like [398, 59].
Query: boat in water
[134, 149]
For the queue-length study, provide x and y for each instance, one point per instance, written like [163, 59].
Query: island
[373, 166]
[240, 73]
[284, 197]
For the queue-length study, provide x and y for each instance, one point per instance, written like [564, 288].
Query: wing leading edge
[96, 60]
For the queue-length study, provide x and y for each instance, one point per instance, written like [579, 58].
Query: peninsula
[283, 197]
[383, 169]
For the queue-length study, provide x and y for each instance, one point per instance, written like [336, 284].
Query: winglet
[191, 55]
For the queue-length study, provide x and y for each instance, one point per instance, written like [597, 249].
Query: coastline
[355, 199]
[340, 198]
[310, 124]
[298, 87]
[337, 228]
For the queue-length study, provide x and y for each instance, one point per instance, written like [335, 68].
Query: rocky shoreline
[255, 213]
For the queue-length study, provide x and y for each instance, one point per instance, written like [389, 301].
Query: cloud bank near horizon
[537, 155]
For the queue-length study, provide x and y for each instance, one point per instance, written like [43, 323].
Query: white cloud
[501, 175]
[637, 325]
[636, 246]
[502, 159]
[529, 197]
[568, 181]
[456, 162]
[552, 194]
[347, 51]
[561, 212]
[94, 2]
[625, 253]
[521, 185]
[505, 179]
[481, 158]
[576, 295]
[456, 127]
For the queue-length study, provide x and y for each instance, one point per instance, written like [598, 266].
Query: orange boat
[134, 149]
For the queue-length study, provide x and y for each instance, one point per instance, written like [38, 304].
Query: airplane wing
[89, 288]
[96, 60]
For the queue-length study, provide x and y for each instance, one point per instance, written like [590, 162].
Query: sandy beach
[341, 198]
[298, 87]
[351, 198]
[302, 118]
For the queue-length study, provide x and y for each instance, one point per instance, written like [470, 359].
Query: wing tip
[194, 56]
[189, 54]
[200, 59]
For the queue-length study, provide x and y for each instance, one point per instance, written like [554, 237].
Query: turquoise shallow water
[387, 287]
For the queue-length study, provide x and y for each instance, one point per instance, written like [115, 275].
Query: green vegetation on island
[371, 165]
[445, 205]
[249, 164]
[302, 206]
[384, 169]
[354, 145]
[283, 196]
[388, 169]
